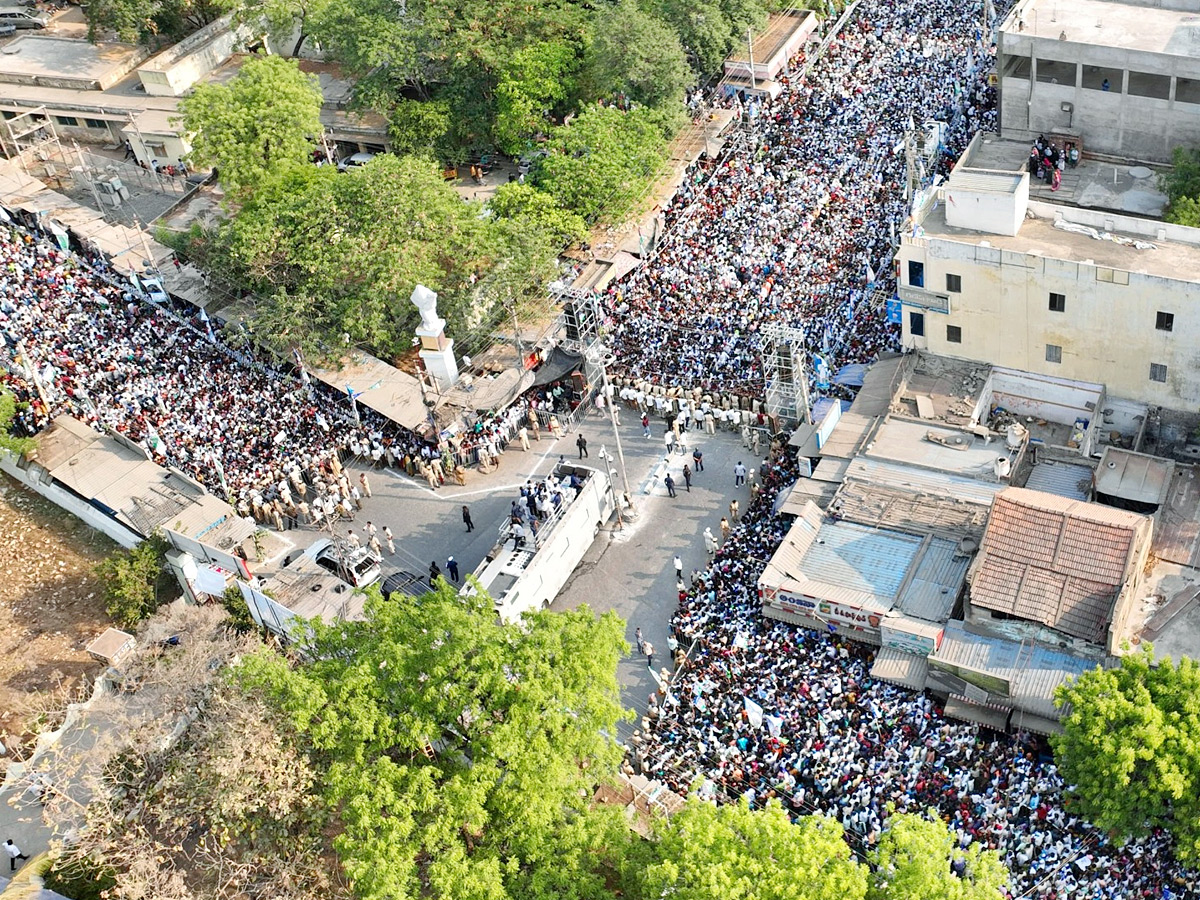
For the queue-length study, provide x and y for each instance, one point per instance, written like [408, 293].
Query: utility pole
[750, 47]
[511, 306]
[603, 358]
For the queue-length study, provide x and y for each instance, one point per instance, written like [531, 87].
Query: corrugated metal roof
[1134, 476]
[1064, 479]
[861, 559]
[1033, 670]
[990, 182]
[935, 584]
[922, 481]
[905, 669]
[1056, 561]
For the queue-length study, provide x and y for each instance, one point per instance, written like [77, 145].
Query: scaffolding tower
[581, 320]
[30, 134]
[785, 372]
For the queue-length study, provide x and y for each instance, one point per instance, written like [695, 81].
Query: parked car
[357, 565]
[358, 159]
[153, 288]
[23, 18]
[403, 582]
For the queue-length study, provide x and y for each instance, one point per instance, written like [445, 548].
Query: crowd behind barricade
[81, 342]
[798, 226]
[834, 741]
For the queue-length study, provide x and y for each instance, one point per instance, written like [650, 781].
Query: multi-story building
[1123, 76]
[986, 272]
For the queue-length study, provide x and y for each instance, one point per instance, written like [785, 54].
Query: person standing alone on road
[641, 643]
[678, 567]
[452, 568]
[670, 483]
[467, 519]
[14, 853]
[391, 542]
[581, 443]
[687, 477]
[649, 655]
[698, 459]
[739, 474]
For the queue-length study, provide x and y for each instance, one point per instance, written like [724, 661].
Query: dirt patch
[51, 607]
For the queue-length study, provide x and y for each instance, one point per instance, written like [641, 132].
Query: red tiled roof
[1054, 560]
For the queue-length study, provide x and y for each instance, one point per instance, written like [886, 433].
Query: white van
[23, 18]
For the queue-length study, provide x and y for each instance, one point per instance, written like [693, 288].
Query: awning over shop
[851, 375]
[898, 667]
[1037, 724]
[960, 708]
[392, 393]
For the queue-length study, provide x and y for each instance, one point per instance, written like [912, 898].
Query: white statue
[425, 301]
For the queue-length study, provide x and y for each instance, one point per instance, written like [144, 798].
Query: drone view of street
[594, 449]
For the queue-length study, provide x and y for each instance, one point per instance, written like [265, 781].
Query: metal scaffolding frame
[30, 131]
[785, 371]
[581, 319]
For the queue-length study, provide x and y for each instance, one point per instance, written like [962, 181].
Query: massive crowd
[795, 224]
[88, 346]
[834, 741]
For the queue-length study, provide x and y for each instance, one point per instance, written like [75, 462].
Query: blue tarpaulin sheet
[851, 375]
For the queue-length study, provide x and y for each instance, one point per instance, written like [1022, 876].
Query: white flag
[754, 713]
[774, 725]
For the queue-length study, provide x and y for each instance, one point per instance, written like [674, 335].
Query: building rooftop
[1056, 561]
[1135, 477]
[1024, 676]
[895, 496]
[870, 569]
[310, 591]
[1177, 529]
[119, 479]
[67, 62]
[933, 446]
[1039, 236]
[1070, 480]
[1130, 189]
[1126, 26]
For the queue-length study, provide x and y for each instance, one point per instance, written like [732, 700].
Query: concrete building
[1122, 76]
[985, 272]
[756, 65]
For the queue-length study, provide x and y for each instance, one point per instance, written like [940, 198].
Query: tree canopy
[266, 119]
[460, 754]
[916, 859]
[329, 253]
[151, 21]
[1182, 187]
[1131, 748]
[736, 853]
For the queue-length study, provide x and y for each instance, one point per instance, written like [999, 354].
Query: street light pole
[603, 359]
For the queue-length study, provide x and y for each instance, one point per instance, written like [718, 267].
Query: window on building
[1058, 302]
[1017, 67]
[1051, 71]
[954, 284]
[69, 121]
[1187, 90]
[916, 273]
[954, 334]
[1144, 84]
[1164, 321]
[96, 123]
[916, 324]
[1158, 372]
[1098, 78]
[1053, 353]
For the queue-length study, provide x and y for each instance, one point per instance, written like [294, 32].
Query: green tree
[264, 120]
[135, 581]
[1185, 211]
[913, 862]
[1131, 748]
[602, 164]
[639, 55]
[709, 29]
[285, 18]
[532, 82]
[8, 412]
[420, 128]
[735, 853]
[1183, 180]
[461, 754]
[530, 211]
[151, 21]
[333, 253]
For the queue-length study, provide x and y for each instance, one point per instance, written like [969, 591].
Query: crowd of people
[794, 224]
[829, 739]
[82, 342]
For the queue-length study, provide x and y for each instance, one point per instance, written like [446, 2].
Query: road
[627, 570]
